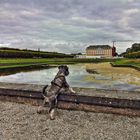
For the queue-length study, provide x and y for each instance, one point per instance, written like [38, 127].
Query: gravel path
[21, 122]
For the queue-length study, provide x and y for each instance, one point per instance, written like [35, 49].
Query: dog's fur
[58, 84]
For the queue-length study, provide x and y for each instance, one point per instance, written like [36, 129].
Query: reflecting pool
[101, 75]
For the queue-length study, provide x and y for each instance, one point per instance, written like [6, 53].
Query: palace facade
[100, 51]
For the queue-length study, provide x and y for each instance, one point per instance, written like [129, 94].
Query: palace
[100, 51]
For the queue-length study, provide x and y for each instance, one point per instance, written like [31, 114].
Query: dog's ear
[60, 67]
[66, 67]
[66, 70]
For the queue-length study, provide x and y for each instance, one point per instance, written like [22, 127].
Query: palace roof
[93, 47]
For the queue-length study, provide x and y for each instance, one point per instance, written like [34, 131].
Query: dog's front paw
[47, 99]
[72, 90]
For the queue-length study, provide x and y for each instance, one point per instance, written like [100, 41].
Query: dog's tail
[44, 91]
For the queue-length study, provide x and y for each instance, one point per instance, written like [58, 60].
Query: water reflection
[83, 75]
[24, 69]
[91, 71]
[96, 74]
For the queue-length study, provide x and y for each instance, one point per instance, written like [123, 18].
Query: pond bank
[121, 94]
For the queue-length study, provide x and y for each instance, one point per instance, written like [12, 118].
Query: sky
[68, 26]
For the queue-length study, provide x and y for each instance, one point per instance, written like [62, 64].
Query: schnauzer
[58, 84]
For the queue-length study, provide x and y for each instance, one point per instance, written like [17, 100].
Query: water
[101, 76]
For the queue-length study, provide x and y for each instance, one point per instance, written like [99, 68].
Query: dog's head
[64, 69]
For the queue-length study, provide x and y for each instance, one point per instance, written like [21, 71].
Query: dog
[57, 85]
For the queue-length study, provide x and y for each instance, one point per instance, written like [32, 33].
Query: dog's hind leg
[52, 114]
[52, 108]
[56, 100]
[42, 108]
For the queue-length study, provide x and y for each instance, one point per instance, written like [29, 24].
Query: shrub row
[31, 54]
[132, 55]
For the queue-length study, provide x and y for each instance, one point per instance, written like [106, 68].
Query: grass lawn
[128, 62]
[9, 63]
[12, 63]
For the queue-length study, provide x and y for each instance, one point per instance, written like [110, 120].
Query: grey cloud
[35, 22]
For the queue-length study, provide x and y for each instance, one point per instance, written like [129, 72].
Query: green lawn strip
[20, 61]
[127, 63]
[8, 61]
[17, 66]
[32, 65]
[47, 60]
[13, 63]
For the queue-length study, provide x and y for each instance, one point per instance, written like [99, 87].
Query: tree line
[17, 53]
[133, 52]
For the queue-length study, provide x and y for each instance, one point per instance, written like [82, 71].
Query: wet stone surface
[21, 122]
[122, 94]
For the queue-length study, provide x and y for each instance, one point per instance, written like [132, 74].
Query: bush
[132, 55]
[15, 53]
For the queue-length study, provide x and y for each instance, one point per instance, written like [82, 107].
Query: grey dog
[57, 85]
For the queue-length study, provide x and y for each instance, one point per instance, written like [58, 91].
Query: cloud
[68, 25]
[4, 45]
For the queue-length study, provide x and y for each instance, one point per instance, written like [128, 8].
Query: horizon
[69, 26]
[84, 52]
